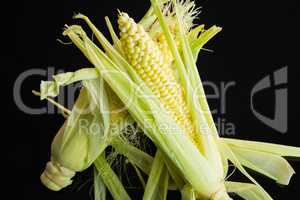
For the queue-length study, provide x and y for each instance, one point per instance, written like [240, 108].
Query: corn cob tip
[56, 177]
[126, 24]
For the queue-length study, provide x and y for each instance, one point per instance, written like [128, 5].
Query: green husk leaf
[99, 100]
[51, 88]
[247, 191]
[98, 94]
[270, 165]
[163, 184]
[149, 18]
[209, 146]
[225, 163]
[110, 179]
[278, 149]
[99, 187]
[232, 157]
[153, 182]
[204, 37]
[112, 53]
[195, 32]
[174, 173]
[77, 136]
[114, 36]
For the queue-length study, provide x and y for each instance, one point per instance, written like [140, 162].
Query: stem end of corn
[55, 177]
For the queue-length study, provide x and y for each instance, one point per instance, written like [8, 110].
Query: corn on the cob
[154, 67]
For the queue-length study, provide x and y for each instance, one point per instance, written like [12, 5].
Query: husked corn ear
[151, 64]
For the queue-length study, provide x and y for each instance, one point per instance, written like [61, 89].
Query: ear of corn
[151, 65]
[204, 133]
[207, 131]
[72, 149]
[139, 108]
[149, 62]
[175, 145]
[85, 134]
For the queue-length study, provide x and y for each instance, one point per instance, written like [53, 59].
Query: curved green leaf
[281, 150]
[270, 165]
[247, 191]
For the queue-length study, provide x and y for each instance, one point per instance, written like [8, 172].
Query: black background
[258, 37]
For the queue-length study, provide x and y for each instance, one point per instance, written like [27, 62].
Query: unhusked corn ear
[150, 63]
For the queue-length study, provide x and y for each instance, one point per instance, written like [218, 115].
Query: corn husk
[75, 148]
